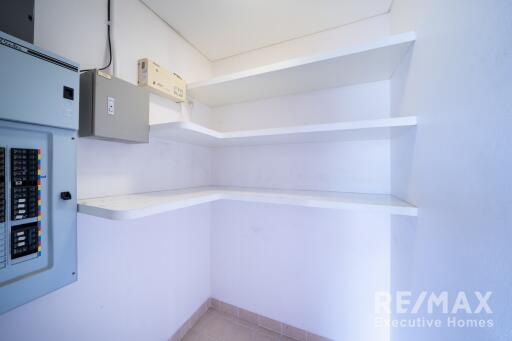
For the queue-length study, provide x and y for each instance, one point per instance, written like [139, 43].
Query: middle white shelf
[193, 133]
[134, 206]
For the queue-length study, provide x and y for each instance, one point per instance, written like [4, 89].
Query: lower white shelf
[190, 132]
[133, 206]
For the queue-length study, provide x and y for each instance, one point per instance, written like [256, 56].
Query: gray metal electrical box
[113, 109]
[38, 125]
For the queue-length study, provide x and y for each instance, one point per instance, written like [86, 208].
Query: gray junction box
[113, 109]
[38, 124]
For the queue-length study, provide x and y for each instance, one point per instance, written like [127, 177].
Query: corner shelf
[362, 63]
[189, 132]
[134, 206]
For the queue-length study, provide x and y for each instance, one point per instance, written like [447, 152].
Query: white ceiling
[223, 28]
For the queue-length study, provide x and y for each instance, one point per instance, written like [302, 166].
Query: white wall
[457, 169]
[140, 279]
[109, 168]
[138, 33]
[351, 166]
[312, 268]
[315, 269]
[359, 32]
[347, 166]
[324, 106]
[137, 280]
[77, 30]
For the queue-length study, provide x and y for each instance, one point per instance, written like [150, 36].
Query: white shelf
[189, 132]
[128, 207]
[358, 64]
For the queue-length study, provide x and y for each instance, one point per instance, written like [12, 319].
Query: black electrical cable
[109, 50]
[109, 42]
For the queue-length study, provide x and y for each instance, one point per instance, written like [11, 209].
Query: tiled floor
[217, 326]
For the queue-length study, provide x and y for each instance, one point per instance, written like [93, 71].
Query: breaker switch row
[24, 167]
[24, 240]
[24, 186]
[24, 202]
[2, 185]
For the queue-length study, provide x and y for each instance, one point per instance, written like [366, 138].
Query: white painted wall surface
[138, 280]
[458, 81]
[77, 30]
[353, 166]
[221, 29]
[312, 268]
[355, 33]
[326, 287]
[110, 168]
[324, 106]
[138, 34]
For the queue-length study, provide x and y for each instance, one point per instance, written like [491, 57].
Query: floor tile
[218, 326]
[237, 332]
[194, 335]
[286, 338]
[261, 334]
[213, 324]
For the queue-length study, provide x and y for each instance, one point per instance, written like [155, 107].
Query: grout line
[191, 321]
[260, 321]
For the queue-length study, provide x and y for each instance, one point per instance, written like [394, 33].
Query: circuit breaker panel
[38, 129]
[25, 197]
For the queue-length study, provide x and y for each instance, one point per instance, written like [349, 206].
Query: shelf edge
[391, 122]
[401, 38]
[277, 198]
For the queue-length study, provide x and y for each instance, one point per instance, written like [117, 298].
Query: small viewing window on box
[69, 93]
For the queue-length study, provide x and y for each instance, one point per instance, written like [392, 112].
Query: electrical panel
[113, 109]
[38, 130]
[157, 79]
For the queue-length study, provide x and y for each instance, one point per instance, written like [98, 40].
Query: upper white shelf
[128, 207]
[189, 132]
[363, 63]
